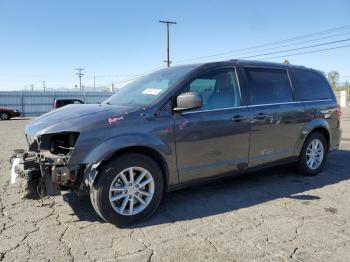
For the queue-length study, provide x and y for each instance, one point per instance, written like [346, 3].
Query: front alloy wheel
[131, 191]
[128, 189]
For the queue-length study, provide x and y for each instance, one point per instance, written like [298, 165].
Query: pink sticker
[167, 130]
[183, 124]
[115, 119]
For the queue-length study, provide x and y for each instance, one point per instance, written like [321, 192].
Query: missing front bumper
[33, 173]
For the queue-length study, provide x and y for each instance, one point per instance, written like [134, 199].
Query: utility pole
[32, 87]
[167, 37]
[80, 75]
[44, 85]
[94, 83]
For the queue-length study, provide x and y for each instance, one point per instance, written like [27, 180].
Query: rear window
[309, 85]
[268, 86]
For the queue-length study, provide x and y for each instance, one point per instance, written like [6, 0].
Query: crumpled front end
[60, 143]
[44, 168]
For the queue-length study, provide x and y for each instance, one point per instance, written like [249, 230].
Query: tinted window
[268, 86]
[309, 85]
[218, 88]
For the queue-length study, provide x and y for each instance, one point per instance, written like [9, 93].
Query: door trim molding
[249, 106]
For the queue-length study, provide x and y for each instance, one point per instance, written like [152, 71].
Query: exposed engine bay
[44, 167]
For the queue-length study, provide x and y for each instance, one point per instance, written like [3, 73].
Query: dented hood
[75, 118]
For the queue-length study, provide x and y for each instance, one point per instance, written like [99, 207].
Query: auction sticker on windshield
[151, 91]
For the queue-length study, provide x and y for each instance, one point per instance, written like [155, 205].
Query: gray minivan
[178, 126]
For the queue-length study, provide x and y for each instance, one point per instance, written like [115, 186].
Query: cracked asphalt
[272, 215]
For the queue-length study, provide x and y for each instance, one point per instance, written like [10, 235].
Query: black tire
[4, 116]
[302, 165]
[100, 191]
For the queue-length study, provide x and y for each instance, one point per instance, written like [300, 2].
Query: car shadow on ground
[233, 193]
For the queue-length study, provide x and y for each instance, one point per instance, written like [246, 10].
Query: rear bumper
[335, 138]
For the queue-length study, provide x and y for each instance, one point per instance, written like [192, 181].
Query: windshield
[145, 90]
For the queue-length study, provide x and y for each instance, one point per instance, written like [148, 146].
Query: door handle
[261, 116]
[239, 118]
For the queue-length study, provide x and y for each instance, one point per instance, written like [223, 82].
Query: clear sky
[114, 40]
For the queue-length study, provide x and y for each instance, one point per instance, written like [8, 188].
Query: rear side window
[268, 86]
[309, 85]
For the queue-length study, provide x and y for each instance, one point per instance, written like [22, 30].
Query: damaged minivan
[179, 126]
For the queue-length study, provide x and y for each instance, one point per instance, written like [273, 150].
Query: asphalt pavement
[272, 215]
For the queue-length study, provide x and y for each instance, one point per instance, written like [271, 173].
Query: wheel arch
[143, 150]
[318, 125]
[324, 131]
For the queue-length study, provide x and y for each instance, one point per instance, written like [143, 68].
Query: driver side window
[218, 88]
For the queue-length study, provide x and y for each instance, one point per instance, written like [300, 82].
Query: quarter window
[268, 86]
[218, 88]
[309, 85]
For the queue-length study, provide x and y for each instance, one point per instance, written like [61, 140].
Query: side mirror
[188, 100]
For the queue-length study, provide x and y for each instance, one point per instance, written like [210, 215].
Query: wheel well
[153, 154]
[324, 132]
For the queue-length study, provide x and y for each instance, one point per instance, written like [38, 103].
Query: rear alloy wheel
[4, 116]
[128, 189]
[314, 154]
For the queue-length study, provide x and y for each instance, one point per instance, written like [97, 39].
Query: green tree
[286, 61]
[333, 78]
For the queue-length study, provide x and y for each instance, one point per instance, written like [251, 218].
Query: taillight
[338, 111]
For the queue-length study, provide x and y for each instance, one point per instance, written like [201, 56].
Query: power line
[286, 55]
[308, 52]
[292, 44]
[270, 43]
[270, 53]
[299, 48]
[167, 34]
[135, 76]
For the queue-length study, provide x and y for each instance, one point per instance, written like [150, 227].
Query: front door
[213, 139]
